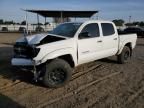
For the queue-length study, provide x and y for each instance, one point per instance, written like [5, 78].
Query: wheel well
[68, 58]
[129, 45]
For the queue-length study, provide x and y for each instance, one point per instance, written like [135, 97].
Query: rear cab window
[107, 29]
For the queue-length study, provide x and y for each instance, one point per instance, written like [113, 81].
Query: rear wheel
[58, 73]
[125, 55]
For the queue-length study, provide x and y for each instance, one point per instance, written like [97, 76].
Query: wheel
[58, 73]
[125, 55]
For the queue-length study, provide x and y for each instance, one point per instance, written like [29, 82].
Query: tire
[58, 73]
[125, 55]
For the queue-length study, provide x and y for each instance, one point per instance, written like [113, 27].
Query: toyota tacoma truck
[52, 56]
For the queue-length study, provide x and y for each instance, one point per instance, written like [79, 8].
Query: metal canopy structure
[60, 14]
[63, 14]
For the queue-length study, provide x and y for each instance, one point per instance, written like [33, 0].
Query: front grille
[22, 51]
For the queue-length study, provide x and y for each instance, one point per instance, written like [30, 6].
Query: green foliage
[129, 24]
[135, 24]
[9, 22]
[118, 22]
[23, 23]
[37, 24]
[1, 21]
[141, 24]
[6, 22]
[59, 20]
[47, 23]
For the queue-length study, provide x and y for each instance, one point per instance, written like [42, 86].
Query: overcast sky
[108, 9]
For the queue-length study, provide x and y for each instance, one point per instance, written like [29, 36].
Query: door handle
[115, 38]
[99, 41]
[85, 52]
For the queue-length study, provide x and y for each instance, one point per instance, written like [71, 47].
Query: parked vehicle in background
[138, 30]
[4, 29]
[39, 29]
[52, 57]
[21, 29]
[120, 31]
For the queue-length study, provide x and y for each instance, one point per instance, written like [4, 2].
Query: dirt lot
[99, 84]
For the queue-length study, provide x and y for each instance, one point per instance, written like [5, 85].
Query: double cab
[52, 56]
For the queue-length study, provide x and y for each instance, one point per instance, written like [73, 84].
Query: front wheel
[125, 55]
[58, 73]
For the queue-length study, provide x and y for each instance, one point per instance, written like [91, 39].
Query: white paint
[88, 49]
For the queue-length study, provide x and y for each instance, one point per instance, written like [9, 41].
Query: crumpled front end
[27, 48]
[23, 54]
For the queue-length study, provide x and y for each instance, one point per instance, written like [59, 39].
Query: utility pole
[38, 23]
[97, 17]
[61, 15]
[26, 23]
[38, 20]
[45, 23]
[130, 19]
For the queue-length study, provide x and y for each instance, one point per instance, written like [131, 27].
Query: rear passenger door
[110, 39]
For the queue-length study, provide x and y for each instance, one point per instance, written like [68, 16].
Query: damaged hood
[37, 38]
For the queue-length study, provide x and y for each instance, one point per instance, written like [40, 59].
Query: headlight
[35, 52]
[25, 51]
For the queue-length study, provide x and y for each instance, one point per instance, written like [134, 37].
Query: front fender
[59, 52]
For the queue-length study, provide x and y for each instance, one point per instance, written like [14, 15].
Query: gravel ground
[99, 84]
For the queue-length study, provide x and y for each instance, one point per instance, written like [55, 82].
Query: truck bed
[127, 38]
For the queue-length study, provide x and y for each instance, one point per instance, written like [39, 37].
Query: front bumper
[28, 65]
[22, 62]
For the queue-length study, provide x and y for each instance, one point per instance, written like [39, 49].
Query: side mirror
[84, 35]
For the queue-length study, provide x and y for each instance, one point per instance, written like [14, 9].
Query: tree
[136, 23]
[17, 23]
[23, 23]
[1, 21]
[118, 22]
[58, 20]
[141, 24]
[47, 23]
[9, 22]
[39, 24]
[129, 24]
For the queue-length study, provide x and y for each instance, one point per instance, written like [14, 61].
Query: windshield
[66, 29]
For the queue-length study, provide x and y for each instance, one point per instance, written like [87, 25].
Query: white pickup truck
[52, 56]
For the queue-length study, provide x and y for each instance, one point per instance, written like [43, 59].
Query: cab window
[90, 31]
[107, 29]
